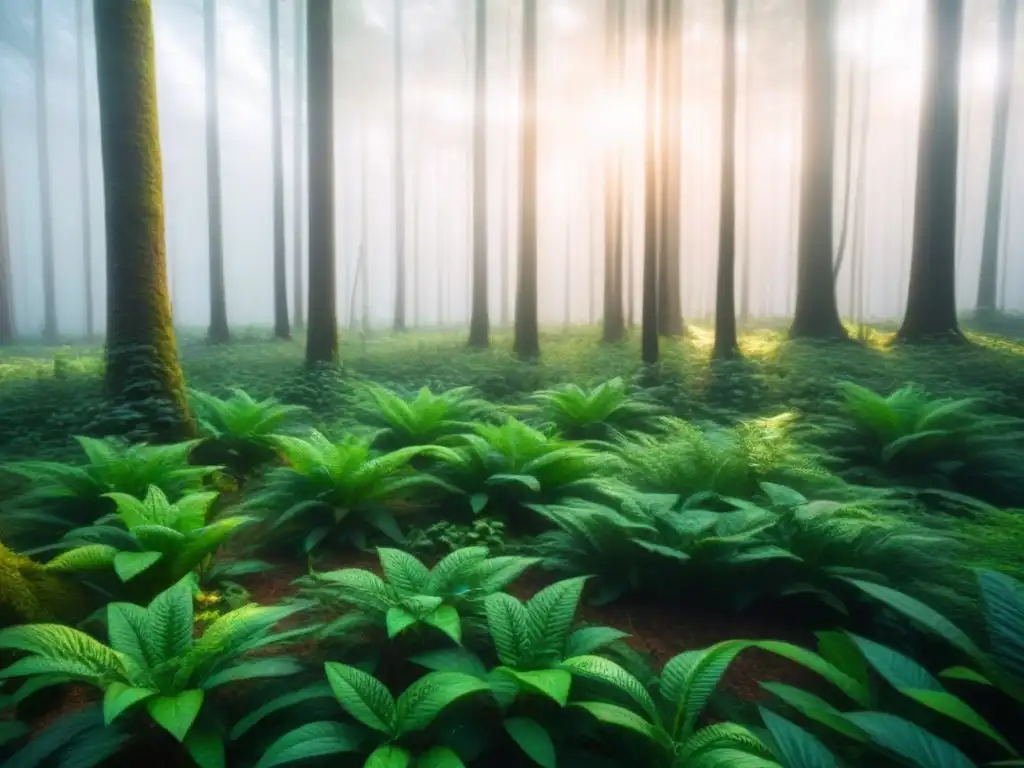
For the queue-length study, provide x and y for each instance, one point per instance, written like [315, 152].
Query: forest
[560, 383]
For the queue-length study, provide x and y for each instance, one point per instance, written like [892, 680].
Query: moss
[32, 594]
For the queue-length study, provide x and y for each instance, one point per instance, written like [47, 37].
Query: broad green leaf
[251, 670]
[909, 741]
[1004, 617]
[175, 714]
[549, 616]
[118, 697]
[533, 739]
[478, 501]
[529, 482]
[816, 709]
[621, 717]
[363, 696]
[389, 756]
[452, 660]
[315, 691]
[507, 620]
[794, 746]
[398, 620]
[440, 757]
[848, 685]
[205, 745]
[426, 698]
[841, 652]
[311, 740]
[964, 673]
[553, 683]
[610, 673]
[403, 571]
[446, 619]
[170, 622]
[92, 557]
[130, 564]
[589, 639]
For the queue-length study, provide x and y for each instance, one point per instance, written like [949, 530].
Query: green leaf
[92, 557]
[12, 731]
[403, 571]
[170, 622]
[610, 673]
[840, 651]
[446, 619]
[533, 739]
[389, 756]
[251, 670]
[909, 741]
[440, 757]
[589, 639]
[621, 717]
[398, 620]
[311, 740]
[964, 673]
[529, 482]
[1004, 616]
[507, 620]
[553, 683]
[794, 746]
[816, 709]
[549, 616]
[363, 696]
[425, 699]
[452, 660]
[254, 718]
[118, 697]
[859, 693]
[478, 501]
[205, 745]
[175, 714]
[130, 564]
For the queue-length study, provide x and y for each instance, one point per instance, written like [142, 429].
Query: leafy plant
[601, 413]
[503, 467]
[447, 597]
[154, 663]
[920, 440]
[423, 419]
[240, 428]
[62, 496]
[159, 545]
[444, 537]
[341, 490]
[386, 721]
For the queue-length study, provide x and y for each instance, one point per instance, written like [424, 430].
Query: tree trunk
[527, 333]
[726, 343]
[613, 327]
[417, 240]
[83, 157]
[649, 324]
[218, 332]
[931, 296]
[142, 368]
[479, 322]
[670, 322]
[7, 329]
[748, 172]
[322, 338]
[297, 255]
[817, 314]
[997, 158]
[50, 329]
[506, 214]
[364, 230]
[281, 329]
[399, 158]
[851, 91]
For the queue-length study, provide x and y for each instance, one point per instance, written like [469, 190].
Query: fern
[423, 419]
[601, 413]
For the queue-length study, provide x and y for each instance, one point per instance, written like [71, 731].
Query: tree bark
[218, 332]
[142, 368]
[399, 158]
[297, 255]
[670, 313]
[649, 322]
[7, 325]
[817, 313]
[479, 323]
[50, 327]
[83, 156]
[527, 334]
[281, 329]
[989, 278]
[726, 343]
[322, 338]
[613, 327]
[931, 296]
[746, 264]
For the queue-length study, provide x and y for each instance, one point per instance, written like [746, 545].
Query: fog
[579, 119]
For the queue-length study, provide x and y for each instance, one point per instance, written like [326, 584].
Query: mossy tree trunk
[218, 332]
[142, 368]
[931, 296]
[817, 313]
[322, 337]
[726, 343]
[281, 329]
[298, 309]
[997, 158]
[83, 157]
[50, 328]
[7, 329]
[479, 323]
[527, 332]
[649, 310]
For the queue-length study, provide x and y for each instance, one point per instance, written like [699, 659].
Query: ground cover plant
[447, 577]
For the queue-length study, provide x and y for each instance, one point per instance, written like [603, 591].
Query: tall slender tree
[298, 307]
[670, 315]
[726, 342]
[7, 327]
[83, 158]
[142, 366]
[322, 337]
[218, 332]
[931, 295]
[817, 314]
[997, 157]
[649, 323]
[747, 258]
[504, 283]
[50, 329]
[613, 327]
[479, 323]
[281, 329]
[399, 159]
[527, 332]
